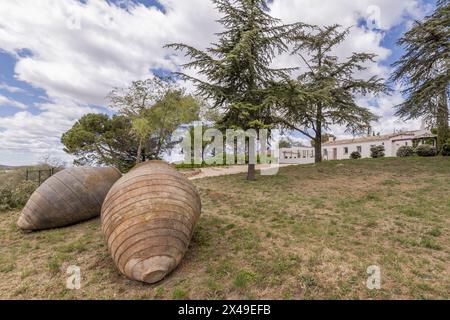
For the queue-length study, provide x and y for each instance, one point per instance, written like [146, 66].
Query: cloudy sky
[60, 58]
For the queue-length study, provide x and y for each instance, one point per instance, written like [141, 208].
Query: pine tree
[424, 71]
[237, 67]
[326, 94]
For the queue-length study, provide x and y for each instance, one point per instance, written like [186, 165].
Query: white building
[297, 155]
[342, 149]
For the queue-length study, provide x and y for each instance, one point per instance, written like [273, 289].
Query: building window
[359, 149]
[325, 152]
[346, 150]
[406, 143]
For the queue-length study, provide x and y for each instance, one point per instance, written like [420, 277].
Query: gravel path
[228, 170]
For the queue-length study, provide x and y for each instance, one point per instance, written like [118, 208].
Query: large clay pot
[148, 218]
[68, 197]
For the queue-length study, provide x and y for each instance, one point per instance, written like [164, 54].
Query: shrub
[426, 150]
[5, 199]
[377, 152]
[23, 192]
[15, 195]
[355, 155]
[405, 151]
[446, 149]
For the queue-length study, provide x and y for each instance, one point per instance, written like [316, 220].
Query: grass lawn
[308, 233]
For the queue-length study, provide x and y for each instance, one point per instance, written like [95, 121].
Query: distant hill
[2, 167]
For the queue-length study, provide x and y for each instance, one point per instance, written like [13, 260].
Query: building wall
[352, 147]
[297, 156]
[343, 151]
[391, 147]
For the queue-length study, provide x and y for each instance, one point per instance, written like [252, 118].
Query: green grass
[309, 232]
[179, 294]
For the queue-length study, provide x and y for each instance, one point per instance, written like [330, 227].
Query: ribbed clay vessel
[68, 197]
[148, 218]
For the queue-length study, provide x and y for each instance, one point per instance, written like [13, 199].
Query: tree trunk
[442, 121]
[139, 153]
[318, 149]
[318, 140]
[251, 173]
[251, 150]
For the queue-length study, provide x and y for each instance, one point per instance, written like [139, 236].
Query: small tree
[377, 151]
[156, 108]
[97, 139]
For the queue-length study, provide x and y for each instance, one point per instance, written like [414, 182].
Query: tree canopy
[326, 93]
[423, 71]
[99, 139]
[143, 129]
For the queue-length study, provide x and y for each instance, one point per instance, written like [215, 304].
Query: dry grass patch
[308, 233]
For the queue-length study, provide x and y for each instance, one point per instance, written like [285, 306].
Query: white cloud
[37, 135]
[10, 89]
[8, 102]
[80, 51]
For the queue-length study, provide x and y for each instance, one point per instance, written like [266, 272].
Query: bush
[405, 151]
[355, 155]
[5, 199]
[446, 149]
[377, 152]
[426, 150]
[14, 194]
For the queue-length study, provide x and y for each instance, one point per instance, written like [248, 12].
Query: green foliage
[377, 151]
[16, 196]
[180, 294]
[405, 151]
[98, 139]
[285, 144]
[149, 114]
[288, 142]
[326, 94]
[423, 71]
[355, 155]
[446, 149]
[237, 67]
[326, 137]
[426, 150]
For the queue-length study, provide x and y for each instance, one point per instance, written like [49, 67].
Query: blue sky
[59, 63]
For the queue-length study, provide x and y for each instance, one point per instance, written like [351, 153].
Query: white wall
[352, 147]
[391, 148]
[306, 156]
